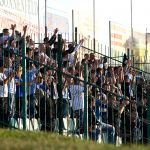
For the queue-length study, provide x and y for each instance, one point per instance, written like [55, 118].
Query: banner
[119, 36]
[121, 40]
[23, 6]
[25, 12]
[19, 12]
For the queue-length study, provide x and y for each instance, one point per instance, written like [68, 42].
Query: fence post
[76, 34]
[59, 75]
[110, 41]
[128, 53]
[133, 60]
[148, 116]
[72, 25]
[24, 102]
[85, 101]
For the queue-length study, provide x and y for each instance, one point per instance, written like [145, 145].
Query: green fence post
[133, 60]
[148, 117]
[24, 102]
[59, 75]
[76, 33]
[85, 101]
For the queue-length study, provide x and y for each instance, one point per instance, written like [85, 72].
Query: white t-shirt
[46, 58]
[11, 84]
[77, 97]
[4, 87]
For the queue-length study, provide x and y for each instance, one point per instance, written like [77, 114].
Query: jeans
[3, 111]
[110, 130]
[94, 136]
[31, 106]
[78, 114]
[62, 108]
[18, 111]
[11, 99]
[62, 111]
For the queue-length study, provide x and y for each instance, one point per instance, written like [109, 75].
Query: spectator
[31, 86]
[108, 108]
[11, 87]
[19, 92]
[103, 127]
[77, 102]
[4, 114]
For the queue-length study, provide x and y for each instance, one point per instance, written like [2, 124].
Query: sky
[118, 11]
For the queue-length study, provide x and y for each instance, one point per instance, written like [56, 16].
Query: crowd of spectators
[117, 95]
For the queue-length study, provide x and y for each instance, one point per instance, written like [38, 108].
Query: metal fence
[75, 92]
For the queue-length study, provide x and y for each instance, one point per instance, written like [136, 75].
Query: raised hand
[55, 31]
[81, 41]
[25, 28]
[13, 26]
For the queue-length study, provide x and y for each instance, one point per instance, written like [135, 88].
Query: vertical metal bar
[128, 53]
[46, 124]
[59, 75]
[110, 39]
[101, 48]
[94, 25]
[148, 117]
[85, 101]
[94, 45]
[68, 37]
[131, 26]
[146, 51]
[133, 60]
[108, 52]
[72, 25]
[76, 34]
[142, 140]
[24, 84]
[45, 18]
[88, 42]
[105, 50]
[34, 37]
[38, 21]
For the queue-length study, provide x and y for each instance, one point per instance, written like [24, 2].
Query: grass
[19, 140]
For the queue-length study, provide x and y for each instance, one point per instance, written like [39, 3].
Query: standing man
[4, 94]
